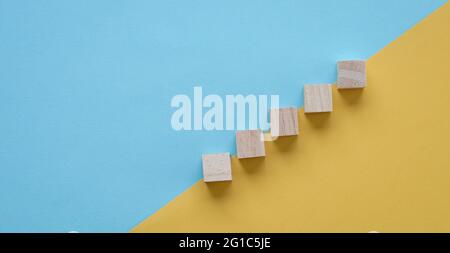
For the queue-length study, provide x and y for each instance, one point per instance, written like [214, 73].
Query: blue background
[85, 89]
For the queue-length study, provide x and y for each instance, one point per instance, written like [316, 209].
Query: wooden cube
[216, 167]
[250, 143]
[318, 98]
[351, 74]
[284, 122]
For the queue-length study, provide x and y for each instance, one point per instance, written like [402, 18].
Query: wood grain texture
[318, 98]
[351, 74]
[284, 122]
[250, 143]
[216, 167]
[367, 166]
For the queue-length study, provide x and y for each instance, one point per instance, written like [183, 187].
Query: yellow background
[380, 161]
